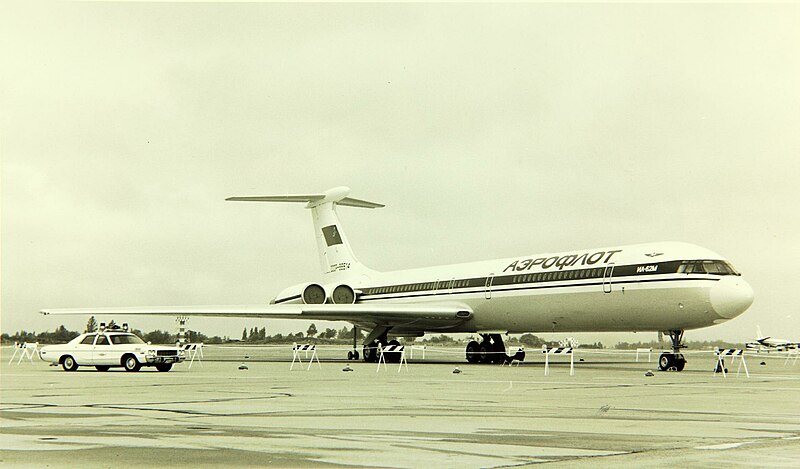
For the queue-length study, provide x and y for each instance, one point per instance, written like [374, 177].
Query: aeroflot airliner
[669, 287]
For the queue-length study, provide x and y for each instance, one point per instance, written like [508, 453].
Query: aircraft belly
[638, 307]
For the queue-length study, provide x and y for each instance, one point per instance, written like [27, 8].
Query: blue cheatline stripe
[450, 293]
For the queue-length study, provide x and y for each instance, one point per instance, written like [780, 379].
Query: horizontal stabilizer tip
[337, 195]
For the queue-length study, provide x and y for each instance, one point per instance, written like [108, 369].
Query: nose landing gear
[674, 361]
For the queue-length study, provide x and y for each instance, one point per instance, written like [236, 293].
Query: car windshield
[118, 339]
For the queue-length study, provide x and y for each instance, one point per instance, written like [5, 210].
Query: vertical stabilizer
[335, 253]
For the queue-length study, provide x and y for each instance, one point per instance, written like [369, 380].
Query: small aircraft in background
[768, 343]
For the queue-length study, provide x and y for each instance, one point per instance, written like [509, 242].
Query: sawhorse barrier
[418, 347]
[733, 353]
[401, 349]
[24, 350]
[297, 348]
[192, 351]
[558, 351]
[649, 351]
[513, 358]
[792, 352]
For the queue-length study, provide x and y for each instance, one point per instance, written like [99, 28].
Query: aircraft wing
[388, 314]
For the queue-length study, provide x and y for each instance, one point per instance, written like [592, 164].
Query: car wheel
[131, 363]
[69, 364]
[102, 367]
[164, 366]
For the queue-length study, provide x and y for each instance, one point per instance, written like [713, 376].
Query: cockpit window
[714, 267]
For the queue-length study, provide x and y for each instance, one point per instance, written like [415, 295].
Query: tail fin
[335, 253]
[760, 336]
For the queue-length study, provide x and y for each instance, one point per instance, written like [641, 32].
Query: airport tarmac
[215, 415]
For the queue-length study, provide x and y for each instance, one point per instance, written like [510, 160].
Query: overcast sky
[489, 131]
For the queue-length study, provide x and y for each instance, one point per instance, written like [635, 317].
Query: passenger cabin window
[89, 339]
[102, 340]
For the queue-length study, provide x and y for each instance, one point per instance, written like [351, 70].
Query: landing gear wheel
[483, 353]
[674, 361]
[355, 355]
[350, 355]
[69, 364]
[131, 363]
[392, 357]
[102, 367]
[473, 352]
[498, 353]
[164, 366]
[370, 351]
[666, 361]
[680, 362]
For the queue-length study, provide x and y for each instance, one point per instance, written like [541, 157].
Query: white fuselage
[645, 287]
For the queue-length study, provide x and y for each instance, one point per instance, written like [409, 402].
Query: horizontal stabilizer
[279, 198]
[337, 195]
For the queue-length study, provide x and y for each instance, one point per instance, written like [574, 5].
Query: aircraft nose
[731, 296]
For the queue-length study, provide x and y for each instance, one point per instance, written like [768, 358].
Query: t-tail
[335, 253]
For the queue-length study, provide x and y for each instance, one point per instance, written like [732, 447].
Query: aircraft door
[608, 273]
[489, 286]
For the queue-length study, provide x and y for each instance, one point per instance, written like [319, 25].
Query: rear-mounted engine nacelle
[343, 295]
[314, 294]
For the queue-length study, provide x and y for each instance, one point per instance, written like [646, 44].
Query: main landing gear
[491, 349]
[375, 341]
[674, 361]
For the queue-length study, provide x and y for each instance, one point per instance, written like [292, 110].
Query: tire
[498, 354]
[473, 352]
[370, 351]
[102, 367]
[393, 357]
[131, 363]
[164, 367]
[666, 361]
[69, 363]
[680, 363]
[484, 353]
[350, 355]
[355, 355]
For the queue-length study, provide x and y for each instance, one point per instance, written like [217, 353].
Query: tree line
[256, 335]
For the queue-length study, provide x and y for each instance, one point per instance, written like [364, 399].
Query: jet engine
[343, 295]
[314, 294]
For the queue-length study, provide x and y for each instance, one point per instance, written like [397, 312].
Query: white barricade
[194, 351]
[511, 361]
[418, 347]
[792, 352]
[24, 350]
[296, 349]
[401, 349]
[733, 353]
[557, 351]
[643, 350]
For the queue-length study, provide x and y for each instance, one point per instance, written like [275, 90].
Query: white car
[111, 347]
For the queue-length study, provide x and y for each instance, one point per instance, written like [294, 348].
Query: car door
[102, 353]
[82, 353]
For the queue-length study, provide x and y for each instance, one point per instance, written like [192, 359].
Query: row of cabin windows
[441, 285]
[560, 275]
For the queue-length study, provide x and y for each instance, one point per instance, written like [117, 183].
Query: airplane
[767, 343]
[668, 287]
